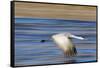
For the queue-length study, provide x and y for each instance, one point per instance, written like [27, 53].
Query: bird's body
[65, 44]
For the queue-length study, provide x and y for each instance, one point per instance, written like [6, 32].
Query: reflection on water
[30, 31]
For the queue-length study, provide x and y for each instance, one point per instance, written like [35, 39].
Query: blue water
[30, 31]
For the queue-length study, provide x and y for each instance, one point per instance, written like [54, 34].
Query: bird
[65, 43]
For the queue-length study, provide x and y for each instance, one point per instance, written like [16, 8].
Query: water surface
[30, 31]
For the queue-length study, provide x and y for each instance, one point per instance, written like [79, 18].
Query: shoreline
[52, 19]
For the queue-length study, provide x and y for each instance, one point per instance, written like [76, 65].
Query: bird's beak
[77, 37]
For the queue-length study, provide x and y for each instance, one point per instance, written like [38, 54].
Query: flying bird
[64, 42]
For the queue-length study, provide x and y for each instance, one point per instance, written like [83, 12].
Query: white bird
[64, 42]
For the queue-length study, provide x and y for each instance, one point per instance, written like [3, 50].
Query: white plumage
[64, 42]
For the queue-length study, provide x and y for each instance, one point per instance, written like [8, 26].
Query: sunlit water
[30, 31]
